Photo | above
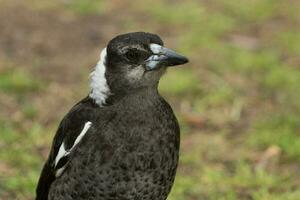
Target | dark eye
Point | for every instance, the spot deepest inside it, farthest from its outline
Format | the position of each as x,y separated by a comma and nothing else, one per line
132,55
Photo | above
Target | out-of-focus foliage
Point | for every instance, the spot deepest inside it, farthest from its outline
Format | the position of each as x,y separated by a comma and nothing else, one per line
237,100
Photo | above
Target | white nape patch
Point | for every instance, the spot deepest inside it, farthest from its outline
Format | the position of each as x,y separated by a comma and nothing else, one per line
63,152
100,90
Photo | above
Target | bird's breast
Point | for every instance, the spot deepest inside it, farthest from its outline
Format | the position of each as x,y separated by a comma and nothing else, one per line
132,156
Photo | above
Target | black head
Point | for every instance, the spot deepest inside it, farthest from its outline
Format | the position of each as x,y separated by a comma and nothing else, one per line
136,60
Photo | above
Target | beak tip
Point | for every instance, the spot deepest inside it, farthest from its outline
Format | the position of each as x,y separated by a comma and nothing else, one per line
163,56
182,60
185,60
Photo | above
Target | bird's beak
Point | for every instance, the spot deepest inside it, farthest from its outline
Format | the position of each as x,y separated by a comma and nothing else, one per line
163,57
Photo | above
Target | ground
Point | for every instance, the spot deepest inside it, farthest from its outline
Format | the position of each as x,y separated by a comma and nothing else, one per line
237,100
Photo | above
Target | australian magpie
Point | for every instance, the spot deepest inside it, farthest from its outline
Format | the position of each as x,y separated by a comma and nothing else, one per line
121,142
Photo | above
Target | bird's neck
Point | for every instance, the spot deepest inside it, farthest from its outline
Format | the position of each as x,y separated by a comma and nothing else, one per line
100,90
145,93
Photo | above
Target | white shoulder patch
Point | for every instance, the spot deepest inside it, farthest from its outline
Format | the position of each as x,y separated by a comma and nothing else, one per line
62,152
100,90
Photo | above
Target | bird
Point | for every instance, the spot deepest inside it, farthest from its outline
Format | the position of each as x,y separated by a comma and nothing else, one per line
120,142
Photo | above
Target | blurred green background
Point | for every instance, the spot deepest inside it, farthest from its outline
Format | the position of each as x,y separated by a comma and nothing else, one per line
238,100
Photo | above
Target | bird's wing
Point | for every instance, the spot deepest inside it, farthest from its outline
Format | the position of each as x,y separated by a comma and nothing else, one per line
60,157
70,132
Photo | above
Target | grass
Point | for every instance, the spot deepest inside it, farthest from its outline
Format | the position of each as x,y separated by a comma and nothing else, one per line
22,156
179,82
278,130
237,101
17,81
84,7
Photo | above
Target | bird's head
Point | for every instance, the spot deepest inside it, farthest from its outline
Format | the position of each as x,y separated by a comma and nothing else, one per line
136,60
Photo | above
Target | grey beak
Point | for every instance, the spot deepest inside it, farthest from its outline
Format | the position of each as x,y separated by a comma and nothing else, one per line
163,56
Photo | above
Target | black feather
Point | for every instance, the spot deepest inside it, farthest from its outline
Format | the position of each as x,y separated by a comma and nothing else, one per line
131,150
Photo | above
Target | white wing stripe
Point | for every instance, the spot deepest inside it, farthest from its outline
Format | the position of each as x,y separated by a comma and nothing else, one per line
83,132
63,152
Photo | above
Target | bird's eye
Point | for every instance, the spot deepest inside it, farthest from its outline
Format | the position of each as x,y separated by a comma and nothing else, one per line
132,55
